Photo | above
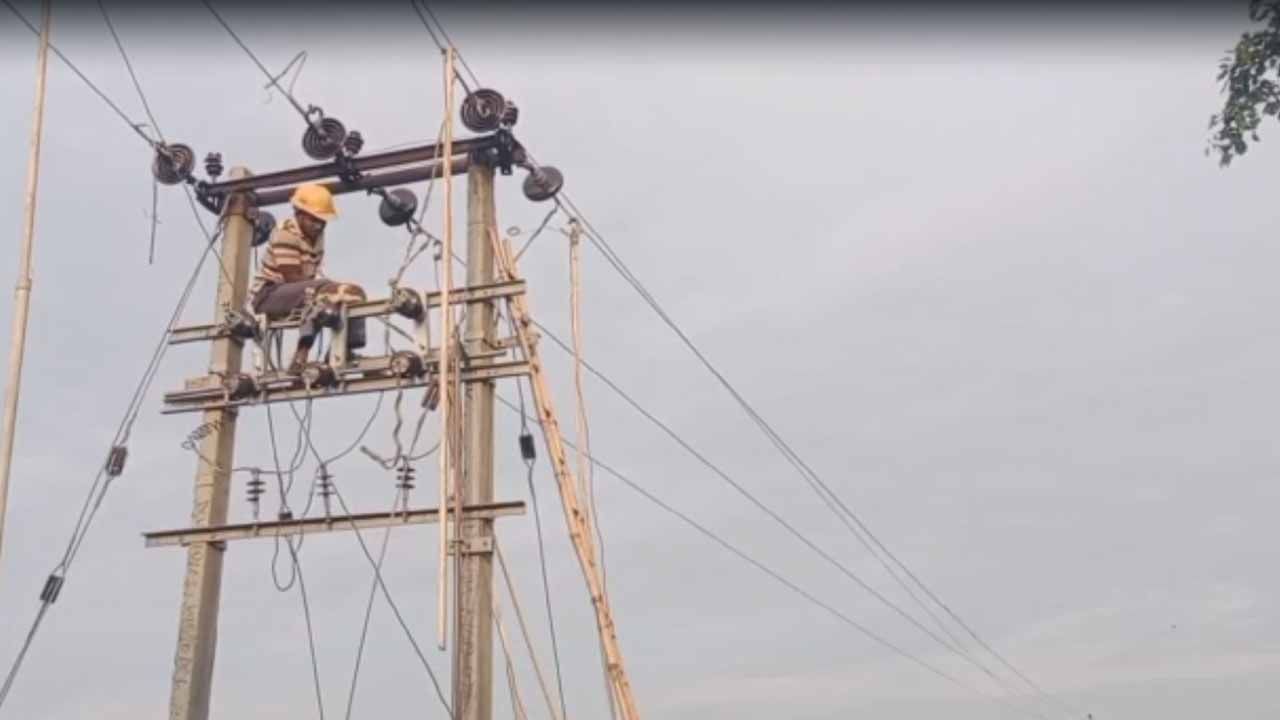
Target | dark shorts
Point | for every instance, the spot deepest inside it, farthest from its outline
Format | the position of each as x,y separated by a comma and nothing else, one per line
277,300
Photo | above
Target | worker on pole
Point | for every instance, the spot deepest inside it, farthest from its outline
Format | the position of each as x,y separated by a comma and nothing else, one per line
291,279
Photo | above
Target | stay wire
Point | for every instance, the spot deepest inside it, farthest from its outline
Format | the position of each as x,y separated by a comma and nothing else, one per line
723,475
442,46
102,480
267,73
132,74
616,261
824,492
134,126
456,51
537,232
711,535
542,565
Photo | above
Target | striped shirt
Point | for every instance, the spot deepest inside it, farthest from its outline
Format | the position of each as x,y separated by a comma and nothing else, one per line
290,257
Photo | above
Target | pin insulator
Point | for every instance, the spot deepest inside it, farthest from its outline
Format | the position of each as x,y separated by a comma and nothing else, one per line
240,386
528,450
407,303
240,324
353,143
115,460
319,375
406,476
52,587
256,488
406,364
510,114
213,165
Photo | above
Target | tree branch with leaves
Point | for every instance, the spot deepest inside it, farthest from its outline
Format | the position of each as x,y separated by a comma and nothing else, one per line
1250,78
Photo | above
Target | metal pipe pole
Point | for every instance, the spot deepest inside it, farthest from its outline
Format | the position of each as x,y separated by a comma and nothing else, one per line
202,587
475,635
22,292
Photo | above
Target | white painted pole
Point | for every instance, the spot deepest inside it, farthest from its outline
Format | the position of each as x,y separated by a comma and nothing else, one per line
22,292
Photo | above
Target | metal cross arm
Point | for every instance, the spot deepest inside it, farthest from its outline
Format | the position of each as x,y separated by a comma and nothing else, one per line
396,305
378,161
333,523
364,375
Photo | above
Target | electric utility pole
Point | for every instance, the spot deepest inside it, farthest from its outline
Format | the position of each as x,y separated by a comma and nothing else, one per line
198,620
474,671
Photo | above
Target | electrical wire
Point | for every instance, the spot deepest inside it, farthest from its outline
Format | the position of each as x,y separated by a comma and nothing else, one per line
134,126
102,481
542,556
132,74
829,497
538,232
442,45
723,475
386,593
272,80
743,555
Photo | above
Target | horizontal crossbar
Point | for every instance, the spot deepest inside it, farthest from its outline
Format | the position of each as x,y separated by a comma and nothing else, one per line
375,379
368,308
377,161
334,523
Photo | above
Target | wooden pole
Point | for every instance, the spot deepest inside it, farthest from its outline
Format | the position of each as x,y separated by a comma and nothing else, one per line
575,514
202,587
446,348
22,291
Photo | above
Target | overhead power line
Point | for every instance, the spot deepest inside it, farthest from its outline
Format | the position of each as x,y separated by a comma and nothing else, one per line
134,126
824,491
746,557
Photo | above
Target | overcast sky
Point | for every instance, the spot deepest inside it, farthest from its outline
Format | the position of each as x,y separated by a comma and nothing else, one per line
977,269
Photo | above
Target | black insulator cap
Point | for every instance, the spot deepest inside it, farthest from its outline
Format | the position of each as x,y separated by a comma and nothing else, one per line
264,223
407,303
543,183
213,165
353,143
527,449
397,207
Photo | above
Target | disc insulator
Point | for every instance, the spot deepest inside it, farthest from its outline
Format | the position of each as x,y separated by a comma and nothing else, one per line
543,183
324,143
405,364
263,225
397,207
406,302
482,110
318,375
173,163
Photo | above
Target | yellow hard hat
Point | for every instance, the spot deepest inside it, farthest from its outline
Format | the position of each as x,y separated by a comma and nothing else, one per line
315,200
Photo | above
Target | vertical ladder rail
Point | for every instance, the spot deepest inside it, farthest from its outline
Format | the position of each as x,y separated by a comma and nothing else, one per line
578,520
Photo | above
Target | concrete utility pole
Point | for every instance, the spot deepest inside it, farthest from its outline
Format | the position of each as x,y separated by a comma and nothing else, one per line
198,621
22,292
474,672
